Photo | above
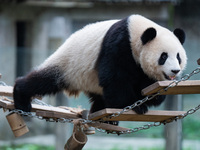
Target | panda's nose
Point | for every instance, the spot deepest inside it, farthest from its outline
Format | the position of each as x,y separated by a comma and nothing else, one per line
175,71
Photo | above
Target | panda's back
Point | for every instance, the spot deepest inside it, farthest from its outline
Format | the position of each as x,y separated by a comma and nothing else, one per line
77,57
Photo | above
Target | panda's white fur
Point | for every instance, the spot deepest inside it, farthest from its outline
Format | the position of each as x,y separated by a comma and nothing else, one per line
148,55
77,56
83,64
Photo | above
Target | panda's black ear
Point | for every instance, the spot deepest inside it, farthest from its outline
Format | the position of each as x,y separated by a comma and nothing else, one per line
180,34
148,35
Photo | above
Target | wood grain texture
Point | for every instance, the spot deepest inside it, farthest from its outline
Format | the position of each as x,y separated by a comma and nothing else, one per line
44,111
184,87
150,116
106,126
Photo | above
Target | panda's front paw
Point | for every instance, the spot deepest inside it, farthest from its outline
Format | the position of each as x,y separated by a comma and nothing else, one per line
23,106
141,109
21,99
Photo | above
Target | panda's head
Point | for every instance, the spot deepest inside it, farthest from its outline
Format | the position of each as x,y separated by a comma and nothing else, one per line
162,56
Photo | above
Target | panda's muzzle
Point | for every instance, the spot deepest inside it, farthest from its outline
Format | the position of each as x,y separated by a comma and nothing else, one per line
169,77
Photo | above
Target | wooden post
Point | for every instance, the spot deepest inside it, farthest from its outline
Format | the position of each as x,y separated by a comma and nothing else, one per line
17,124
87,130
173,131
77,140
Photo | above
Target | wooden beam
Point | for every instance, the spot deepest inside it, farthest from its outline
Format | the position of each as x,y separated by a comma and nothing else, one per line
6,91
150,116
184,87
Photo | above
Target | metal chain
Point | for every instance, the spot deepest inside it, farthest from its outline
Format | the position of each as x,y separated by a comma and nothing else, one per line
150,97
33,115
126,109
39,102
3,83
147,98
156,124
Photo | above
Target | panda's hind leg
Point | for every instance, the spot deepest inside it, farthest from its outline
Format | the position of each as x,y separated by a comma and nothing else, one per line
98,104
37,83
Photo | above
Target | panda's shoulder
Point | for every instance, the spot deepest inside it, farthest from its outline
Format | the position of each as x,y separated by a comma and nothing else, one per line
98,25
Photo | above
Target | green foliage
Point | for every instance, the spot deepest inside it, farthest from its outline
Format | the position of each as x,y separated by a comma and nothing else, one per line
191,126
125,148
27,147
151,148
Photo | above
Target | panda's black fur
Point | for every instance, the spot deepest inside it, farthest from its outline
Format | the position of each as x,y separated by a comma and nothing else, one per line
37,83
121,83
119,75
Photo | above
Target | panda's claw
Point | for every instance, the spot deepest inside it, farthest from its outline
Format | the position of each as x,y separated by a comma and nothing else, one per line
141,109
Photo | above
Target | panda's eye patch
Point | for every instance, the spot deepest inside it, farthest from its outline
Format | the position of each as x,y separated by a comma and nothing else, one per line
162,58
179,58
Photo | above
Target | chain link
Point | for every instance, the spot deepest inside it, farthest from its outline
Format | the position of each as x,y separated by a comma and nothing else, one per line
39,102
33,115
3,83
150,97
147,98
116,114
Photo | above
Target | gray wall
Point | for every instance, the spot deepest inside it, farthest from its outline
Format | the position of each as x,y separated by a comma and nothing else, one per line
49,28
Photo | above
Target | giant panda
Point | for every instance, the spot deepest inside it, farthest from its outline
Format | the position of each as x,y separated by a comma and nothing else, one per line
111,62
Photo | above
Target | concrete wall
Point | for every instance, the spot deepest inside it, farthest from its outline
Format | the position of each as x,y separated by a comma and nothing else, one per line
7,49
187,18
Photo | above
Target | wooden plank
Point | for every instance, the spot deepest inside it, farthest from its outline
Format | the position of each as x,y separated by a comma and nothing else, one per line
108,127
150,116
184,87
55,114
50,111
7,104
6,91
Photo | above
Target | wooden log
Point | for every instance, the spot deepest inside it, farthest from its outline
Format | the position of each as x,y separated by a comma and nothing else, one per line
150,116
6,91
17,124
184,87
77,140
